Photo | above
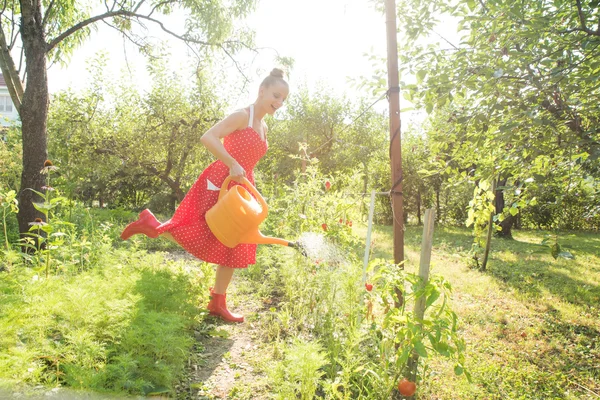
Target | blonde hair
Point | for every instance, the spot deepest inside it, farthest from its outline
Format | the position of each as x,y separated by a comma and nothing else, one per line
275,76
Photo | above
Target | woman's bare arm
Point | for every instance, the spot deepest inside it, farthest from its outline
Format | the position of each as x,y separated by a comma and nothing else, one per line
212,140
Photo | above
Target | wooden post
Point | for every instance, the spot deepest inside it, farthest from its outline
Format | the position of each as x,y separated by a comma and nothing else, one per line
395,143
426,245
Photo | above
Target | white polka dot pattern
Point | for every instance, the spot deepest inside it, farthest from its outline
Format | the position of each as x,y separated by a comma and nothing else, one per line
188,225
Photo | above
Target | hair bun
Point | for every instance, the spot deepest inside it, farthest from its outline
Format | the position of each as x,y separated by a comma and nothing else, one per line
277,73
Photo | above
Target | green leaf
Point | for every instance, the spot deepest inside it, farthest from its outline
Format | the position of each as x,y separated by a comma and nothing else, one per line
429,108
432,298
513,211
59,199
442,348
458,370
44,207
468,375
421,75
404,356
420,349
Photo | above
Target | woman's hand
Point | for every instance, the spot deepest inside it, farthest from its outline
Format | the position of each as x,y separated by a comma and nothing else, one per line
237,172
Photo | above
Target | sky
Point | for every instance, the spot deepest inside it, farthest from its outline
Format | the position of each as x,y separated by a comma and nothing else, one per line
327,39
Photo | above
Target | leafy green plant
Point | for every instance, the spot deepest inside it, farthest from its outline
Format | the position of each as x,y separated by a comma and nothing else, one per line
44,243
551,241
481,207
400,334
298,375
10,205
124,326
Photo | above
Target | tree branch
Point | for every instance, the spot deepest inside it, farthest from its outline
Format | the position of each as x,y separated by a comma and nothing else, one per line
82,25
483,6
237,65
138,44
119,13
162,3
582,21
14,33
11,76
21,62
47,13
138,5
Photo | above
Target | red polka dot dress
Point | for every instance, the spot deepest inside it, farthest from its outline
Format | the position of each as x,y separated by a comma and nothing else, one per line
188,225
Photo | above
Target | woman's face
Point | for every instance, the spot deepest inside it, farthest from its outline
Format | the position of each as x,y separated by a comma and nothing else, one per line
273,96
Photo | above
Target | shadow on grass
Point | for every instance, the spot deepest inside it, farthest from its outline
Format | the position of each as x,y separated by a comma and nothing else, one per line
193,358
532,277
523,263
152,351
529,267
576,344
578,243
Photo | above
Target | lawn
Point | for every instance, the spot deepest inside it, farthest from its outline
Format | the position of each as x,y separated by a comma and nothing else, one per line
134,323
531,322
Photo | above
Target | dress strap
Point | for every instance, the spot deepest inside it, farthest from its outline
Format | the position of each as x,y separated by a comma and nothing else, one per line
251,120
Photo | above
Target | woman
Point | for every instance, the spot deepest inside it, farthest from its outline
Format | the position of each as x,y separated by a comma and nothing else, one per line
239,142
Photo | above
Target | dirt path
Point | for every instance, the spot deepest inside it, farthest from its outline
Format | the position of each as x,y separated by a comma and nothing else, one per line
225,355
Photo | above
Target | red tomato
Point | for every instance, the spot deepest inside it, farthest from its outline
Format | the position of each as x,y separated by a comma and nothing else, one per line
327,185
406,387
369,286
324,226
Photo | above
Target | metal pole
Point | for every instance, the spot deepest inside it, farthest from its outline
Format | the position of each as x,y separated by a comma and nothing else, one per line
395,142
368,241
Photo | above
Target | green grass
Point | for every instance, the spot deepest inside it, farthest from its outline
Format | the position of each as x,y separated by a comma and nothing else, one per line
125,326
532,323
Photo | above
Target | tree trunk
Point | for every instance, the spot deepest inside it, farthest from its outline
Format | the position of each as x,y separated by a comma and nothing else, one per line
419,206
34,112
173,199
508,222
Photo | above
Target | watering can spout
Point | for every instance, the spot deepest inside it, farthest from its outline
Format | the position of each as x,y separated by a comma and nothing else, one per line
257,237
298,247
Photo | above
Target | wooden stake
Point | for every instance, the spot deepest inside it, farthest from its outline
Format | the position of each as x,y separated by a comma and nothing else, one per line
395,142
426,245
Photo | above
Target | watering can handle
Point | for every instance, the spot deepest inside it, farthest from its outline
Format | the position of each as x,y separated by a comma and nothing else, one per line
249,185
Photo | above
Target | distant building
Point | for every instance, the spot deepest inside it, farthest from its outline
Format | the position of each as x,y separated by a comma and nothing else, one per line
8,112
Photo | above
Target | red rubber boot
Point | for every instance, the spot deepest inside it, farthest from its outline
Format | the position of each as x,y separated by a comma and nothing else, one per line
146,224
218,307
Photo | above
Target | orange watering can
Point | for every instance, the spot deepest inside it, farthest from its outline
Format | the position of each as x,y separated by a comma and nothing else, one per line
236,216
